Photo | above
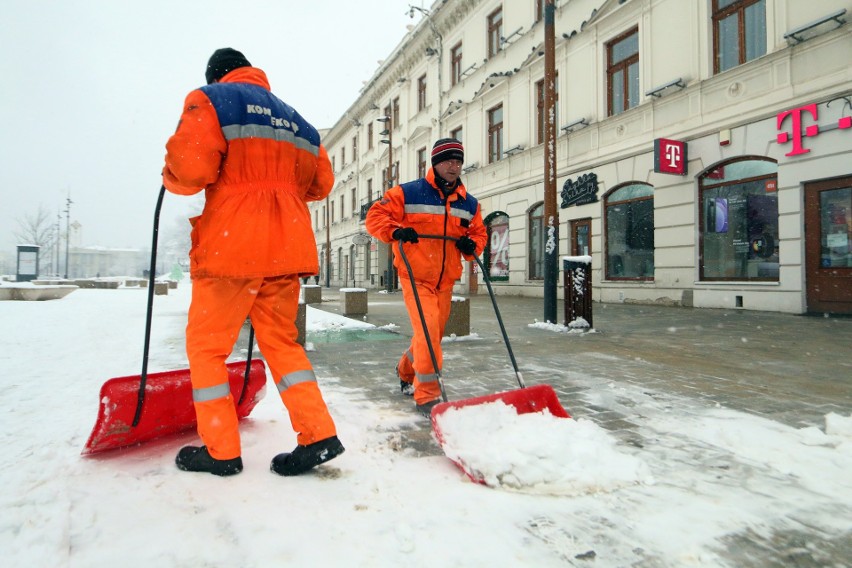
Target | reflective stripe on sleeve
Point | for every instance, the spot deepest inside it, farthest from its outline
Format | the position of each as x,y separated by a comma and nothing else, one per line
295,378
211,393
236,131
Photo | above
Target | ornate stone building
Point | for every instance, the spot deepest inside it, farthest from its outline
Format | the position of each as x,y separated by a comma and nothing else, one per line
703,151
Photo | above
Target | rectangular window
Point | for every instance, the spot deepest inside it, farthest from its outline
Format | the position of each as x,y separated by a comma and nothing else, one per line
495,32
623,72
354,201
333,164
354,147
456,64
421,93
395,117
389,114
421,162
342,156
342,214
540,116
739,32
457,133
369,190
369,136
536,243
495,134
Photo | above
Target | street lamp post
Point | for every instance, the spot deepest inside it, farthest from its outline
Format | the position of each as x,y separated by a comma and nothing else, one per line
68,203
386,120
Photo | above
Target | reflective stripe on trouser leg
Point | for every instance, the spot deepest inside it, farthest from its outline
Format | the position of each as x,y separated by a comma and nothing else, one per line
308,413
216,314
405,367
424,390
274,317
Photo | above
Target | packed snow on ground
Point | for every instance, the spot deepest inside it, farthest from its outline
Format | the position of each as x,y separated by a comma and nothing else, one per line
573,494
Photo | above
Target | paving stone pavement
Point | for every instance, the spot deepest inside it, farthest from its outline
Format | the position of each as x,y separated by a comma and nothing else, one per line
637,359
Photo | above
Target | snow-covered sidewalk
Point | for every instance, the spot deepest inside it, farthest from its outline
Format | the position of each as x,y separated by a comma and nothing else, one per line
705,479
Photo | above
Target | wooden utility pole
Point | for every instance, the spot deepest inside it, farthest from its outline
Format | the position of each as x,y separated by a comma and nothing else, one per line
551,213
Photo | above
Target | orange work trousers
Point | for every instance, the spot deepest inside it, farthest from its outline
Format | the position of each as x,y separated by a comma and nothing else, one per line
218,310
416,365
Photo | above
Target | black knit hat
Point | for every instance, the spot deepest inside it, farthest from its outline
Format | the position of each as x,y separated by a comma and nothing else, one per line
223,61
447,149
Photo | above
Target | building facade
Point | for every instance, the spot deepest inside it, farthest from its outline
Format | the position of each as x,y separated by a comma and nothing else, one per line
703,151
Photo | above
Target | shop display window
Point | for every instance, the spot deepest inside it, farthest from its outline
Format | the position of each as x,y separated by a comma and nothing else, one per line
836,228
739,221
630,232
497,248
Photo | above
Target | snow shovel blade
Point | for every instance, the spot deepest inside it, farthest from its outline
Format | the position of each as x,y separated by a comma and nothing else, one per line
168,407
526,400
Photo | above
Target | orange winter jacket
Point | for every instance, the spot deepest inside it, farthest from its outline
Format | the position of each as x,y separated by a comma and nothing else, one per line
259,163
421,205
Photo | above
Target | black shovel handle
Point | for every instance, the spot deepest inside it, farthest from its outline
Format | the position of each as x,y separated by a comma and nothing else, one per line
143,380
493,302
423,322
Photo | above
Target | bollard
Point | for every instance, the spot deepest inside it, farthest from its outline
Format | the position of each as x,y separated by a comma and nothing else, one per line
312,294
458,323
578,291
353,301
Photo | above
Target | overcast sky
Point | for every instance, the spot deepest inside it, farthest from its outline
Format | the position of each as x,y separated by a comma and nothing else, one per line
92,89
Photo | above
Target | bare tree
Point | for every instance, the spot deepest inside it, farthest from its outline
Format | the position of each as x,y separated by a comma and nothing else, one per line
38,229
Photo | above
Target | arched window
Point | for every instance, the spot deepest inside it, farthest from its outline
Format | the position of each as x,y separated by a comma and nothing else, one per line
738,225
496,254
629,231
537,240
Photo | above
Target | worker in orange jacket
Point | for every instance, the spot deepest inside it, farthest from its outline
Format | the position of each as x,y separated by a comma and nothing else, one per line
437,204
259,163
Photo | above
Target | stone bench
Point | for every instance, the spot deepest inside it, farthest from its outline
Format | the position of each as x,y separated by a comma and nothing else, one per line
458,323
161,288
353,301
35,293
312,294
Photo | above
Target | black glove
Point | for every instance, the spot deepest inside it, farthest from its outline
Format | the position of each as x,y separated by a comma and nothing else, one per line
406,235
466,245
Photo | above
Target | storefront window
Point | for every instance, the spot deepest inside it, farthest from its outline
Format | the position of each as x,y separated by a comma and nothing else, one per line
536,242
497,248
739,221
630,232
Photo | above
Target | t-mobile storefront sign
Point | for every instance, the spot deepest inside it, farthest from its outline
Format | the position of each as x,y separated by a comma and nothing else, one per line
670,156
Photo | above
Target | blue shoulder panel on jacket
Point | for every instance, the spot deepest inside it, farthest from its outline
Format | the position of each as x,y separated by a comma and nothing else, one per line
243,104
419,192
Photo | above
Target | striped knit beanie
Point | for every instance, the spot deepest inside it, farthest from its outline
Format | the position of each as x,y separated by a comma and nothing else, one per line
447,149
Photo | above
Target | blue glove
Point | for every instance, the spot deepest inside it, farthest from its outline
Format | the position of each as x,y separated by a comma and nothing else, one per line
466,246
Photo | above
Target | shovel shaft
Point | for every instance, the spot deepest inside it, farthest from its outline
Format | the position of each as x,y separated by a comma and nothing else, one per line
493,302
423,322
143,379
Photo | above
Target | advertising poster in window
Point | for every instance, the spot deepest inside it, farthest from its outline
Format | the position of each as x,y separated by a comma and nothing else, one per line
499,245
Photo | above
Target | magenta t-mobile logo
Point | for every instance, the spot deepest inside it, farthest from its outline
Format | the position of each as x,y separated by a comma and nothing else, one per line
797,117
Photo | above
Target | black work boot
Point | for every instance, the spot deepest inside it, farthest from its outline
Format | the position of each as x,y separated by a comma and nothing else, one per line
426,408
405,387
195,458
307,457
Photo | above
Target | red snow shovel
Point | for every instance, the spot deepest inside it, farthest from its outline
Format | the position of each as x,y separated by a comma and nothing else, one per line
138,409
525,400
